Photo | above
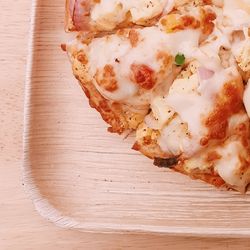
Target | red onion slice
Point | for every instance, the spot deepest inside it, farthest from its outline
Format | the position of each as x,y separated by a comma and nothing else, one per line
80,13
204,73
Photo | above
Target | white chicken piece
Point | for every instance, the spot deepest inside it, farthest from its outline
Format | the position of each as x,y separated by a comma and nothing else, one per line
173,137
230,165
237,13
244,57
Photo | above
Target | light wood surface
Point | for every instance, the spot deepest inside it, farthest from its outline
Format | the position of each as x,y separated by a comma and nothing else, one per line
20,226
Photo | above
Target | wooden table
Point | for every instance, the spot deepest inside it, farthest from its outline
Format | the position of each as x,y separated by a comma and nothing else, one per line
20,226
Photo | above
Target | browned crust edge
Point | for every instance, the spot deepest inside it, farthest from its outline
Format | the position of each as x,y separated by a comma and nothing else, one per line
210,178
69,25
111,113
117,115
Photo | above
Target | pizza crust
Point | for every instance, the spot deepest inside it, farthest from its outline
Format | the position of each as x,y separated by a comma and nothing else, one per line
115,114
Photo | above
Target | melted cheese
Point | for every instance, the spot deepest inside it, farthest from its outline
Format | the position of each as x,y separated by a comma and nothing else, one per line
178,106
112,48
230,166
237,13
107,14
192,100
116,47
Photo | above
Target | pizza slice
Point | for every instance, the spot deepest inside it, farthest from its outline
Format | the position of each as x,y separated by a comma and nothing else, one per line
200,127
174,71
107,15
122,72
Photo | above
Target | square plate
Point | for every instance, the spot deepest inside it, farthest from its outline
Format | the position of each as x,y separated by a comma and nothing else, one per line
80,176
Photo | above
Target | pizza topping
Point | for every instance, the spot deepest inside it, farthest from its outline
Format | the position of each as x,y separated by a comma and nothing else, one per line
204,73
161,113
107,78
80,11
237,13
140,68
133,37
207,21
179,59
106,15
231,165
243,57
175,22
165,163
213,156
146,9
194,118
143,76
174,137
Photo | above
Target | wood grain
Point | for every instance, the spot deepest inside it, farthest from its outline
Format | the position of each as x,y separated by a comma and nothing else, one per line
20,226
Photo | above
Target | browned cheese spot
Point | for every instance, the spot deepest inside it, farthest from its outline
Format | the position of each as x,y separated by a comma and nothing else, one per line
228,103
106,78
207,18
143,75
